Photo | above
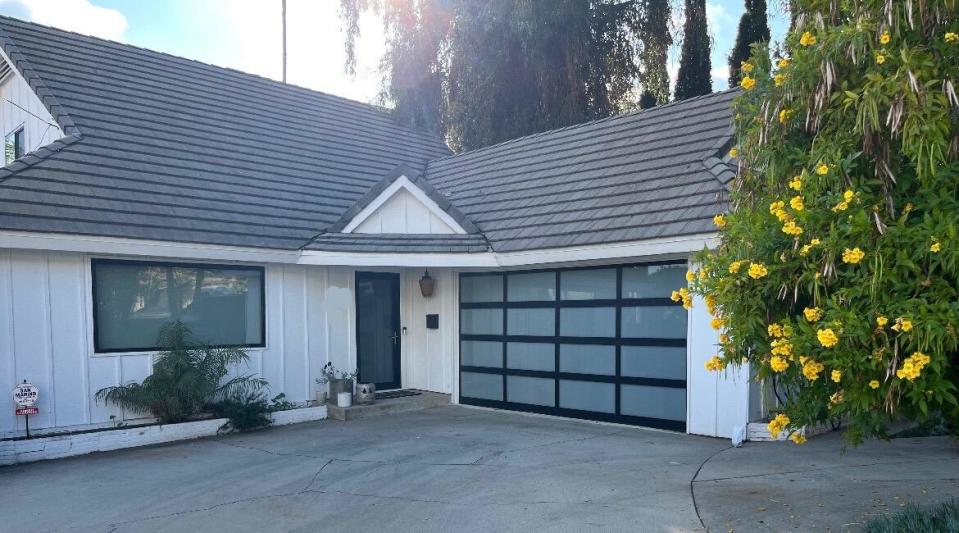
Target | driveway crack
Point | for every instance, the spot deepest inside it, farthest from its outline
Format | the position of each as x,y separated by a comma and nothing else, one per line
692,492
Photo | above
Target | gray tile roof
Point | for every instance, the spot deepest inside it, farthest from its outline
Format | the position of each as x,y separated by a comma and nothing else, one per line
397,243
164,148
642,175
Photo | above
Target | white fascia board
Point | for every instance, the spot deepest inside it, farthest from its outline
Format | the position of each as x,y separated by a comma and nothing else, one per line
403,182
666,246
136,247
663,247
477,260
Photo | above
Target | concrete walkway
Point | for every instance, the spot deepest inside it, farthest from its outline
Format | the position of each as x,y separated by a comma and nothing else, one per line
814,487
460,469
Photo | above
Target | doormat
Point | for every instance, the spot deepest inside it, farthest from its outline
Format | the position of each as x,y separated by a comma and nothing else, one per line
396,394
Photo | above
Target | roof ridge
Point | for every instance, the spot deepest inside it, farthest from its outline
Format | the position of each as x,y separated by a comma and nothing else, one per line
627,114
286,86
719,163
23,67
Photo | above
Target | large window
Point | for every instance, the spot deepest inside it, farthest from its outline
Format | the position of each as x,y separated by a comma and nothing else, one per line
603,343
133,300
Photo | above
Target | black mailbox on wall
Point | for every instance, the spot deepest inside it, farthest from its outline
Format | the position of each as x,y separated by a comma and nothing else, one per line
432,321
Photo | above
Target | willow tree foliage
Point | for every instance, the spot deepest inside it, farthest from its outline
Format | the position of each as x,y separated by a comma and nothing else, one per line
837,275
753,28
694,78
484,72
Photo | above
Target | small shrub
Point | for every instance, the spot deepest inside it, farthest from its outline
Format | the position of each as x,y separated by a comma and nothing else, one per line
943,518
280,403
245,413
187,377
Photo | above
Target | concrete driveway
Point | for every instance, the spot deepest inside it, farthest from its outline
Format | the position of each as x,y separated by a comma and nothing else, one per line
461,469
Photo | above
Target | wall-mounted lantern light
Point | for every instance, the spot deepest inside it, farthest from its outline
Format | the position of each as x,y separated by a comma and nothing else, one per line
427,284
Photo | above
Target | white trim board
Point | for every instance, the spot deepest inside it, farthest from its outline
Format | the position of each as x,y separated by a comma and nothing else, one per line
136,247
403,183
666,246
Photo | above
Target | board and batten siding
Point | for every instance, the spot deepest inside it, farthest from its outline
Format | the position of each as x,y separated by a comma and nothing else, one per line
717,402
403,213
19,106
46,330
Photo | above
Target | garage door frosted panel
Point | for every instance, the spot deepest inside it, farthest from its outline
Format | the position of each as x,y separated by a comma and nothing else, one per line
587,359
531,356
534,391
482,353
587,322
659,322
537,322
483,386
589,284
535,287
653,281
587,396
481,288
482,321
661,362
653,402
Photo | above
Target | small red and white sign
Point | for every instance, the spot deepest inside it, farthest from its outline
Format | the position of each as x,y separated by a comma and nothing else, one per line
24,411
26,395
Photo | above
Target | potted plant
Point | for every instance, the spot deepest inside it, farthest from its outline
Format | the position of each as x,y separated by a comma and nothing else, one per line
338,380
319,396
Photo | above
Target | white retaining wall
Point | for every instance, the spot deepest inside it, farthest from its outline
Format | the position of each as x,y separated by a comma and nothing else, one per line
59,446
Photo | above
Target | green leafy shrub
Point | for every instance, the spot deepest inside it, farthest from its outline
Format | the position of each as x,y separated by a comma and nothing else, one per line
837,274
187,377
943,518
245,413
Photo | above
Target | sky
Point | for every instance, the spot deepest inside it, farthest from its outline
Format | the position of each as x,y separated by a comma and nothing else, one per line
247,35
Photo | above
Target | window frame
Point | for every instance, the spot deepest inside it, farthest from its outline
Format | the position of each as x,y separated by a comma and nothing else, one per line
18,145
97,350
619,303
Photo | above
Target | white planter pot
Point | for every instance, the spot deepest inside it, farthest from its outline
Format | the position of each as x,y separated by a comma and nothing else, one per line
344,399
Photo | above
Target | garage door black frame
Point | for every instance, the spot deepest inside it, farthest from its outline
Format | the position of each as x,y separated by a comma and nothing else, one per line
618,303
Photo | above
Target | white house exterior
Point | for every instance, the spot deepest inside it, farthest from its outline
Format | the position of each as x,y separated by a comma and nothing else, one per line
150,188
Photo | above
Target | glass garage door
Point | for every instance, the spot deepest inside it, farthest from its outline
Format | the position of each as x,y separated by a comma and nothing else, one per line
602,343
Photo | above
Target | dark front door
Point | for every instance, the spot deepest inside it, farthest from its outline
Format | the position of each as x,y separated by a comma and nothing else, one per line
378,328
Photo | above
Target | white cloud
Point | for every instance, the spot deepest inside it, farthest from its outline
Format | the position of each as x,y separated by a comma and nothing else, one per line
720,75
74,15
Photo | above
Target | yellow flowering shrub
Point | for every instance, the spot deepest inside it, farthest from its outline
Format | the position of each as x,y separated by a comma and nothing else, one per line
715,364
757,270
778,424
827,338
812,314
778,363
840,226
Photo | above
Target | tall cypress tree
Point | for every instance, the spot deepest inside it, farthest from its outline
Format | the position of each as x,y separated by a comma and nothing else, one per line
694,64
656,40
753,28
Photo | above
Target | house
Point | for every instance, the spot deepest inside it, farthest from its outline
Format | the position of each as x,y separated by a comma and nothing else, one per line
140,188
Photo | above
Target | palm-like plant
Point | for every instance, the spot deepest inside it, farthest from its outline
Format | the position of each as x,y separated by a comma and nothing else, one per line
187,376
